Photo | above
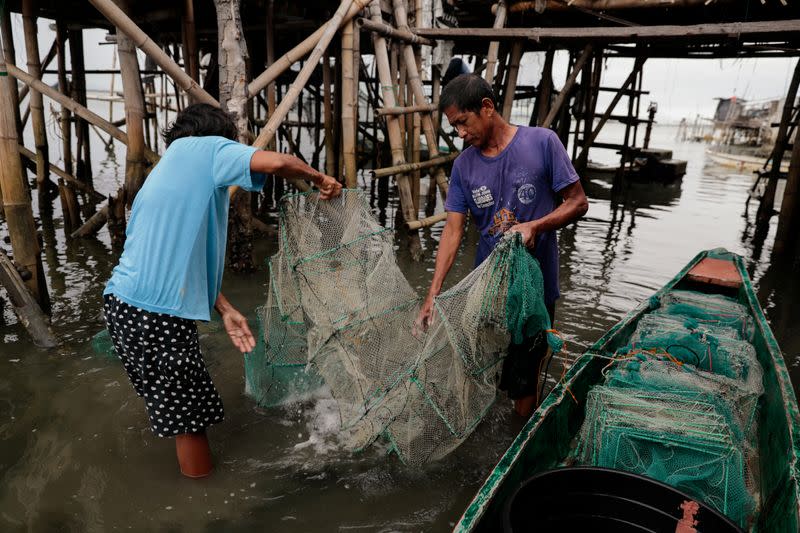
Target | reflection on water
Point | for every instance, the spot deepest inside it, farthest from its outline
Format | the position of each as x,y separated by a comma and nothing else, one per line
77,453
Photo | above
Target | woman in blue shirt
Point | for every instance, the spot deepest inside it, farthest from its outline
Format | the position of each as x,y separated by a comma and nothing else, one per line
170,273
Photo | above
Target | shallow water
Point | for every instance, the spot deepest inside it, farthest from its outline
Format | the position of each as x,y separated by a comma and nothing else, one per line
77,453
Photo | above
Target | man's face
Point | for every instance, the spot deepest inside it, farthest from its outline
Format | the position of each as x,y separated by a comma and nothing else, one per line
471,126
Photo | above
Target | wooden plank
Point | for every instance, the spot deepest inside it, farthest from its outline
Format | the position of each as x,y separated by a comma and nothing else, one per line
716,272
617,34
25,307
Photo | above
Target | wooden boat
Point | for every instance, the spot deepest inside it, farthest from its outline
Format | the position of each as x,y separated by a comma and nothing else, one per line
741,162
547,440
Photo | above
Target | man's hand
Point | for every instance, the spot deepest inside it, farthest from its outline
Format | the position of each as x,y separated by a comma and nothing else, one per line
329,188
238,330
425,316
528,231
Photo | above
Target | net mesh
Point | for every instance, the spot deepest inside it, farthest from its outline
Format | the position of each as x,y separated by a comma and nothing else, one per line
679,403
340,311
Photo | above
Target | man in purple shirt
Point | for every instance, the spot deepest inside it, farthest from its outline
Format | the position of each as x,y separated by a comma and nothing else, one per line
509,178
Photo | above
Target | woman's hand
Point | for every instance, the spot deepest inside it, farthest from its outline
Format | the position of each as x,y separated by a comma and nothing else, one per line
236,325
329,188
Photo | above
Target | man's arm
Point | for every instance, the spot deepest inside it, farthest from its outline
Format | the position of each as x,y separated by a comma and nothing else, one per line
445,255
289,166
571,209
235,324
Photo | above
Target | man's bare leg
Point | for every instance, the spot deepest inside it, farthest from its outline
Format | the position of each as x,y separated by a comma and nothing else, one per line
194,455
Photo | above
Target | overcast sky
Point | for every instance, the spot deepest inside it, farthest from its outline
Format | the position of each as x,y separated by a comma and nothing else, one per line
681,87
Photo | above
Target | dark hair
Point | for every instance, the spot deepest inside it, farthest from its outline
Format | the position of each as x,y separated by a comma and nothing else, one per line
466,92
200,120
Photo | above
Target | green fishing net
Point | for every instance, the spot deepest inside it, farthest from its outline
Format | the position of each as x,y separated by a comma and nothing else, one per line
340,312
679,403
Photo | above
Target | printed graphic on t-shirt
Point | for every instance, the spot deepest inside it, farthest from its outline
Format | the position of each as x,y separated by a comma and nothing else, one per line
502,222
526,194
483,196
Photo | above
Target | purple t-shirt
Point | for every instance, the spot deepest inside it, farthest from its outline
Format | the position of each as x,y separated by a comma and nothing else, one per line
517,185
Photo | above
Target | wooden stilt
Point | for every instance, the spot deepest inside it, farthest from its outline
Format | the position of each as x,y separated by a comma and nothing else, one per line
43,184
348,105
788,231
10,58
393,127
766,206
330,158
134,116
83,162
564,93
545,90
16,202
513,71
190,59
494,46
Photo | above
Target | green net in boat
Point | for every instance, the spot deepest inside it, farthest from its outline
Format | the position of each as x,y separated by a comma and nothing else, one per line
679,403
340,311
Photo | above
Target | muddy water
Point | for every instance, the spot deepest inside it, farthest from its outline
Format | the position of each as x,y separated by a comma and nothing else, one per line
76,452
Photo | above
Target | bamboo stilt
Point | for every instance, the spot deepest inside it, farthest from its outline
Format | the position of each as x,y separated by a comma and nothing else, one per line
545,90
190,58
330,158
16,202
589,140
143,42
419,94
511,86
63,174
302,77
288,59
409,167
29,313
76,108
766,207
348,96
83,161
134,116
9,53
393,127
494,46
43,183
564,92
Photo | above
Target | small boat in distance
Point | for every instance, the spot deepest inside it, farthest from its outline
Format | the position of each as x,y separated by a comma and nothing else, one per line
687,395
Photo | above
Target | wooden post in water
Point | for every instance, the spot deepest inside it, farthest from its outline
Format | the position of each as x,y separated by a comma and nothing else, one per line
16,202
83,161
788,232
545,90
43,183
9,52
494,46
419,94
69,200
190,59
393,128
347,98
330,158
513,71
766,207
134,117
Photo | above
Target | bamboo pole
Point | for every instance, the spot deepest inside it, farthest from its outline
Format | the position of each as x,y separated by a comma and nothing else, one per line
36,103
190,58
787,233
10,58
419,95
584,155
409,167
391,32
302,77
291,57
134,115
348,106
27,310
143,42
271,101
83,161
330,159
48,58
383,111
16,202
545,90
76,108
511,86
63,174
356,96
766,207
494,46
427,221
563,94
393,126
66,115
